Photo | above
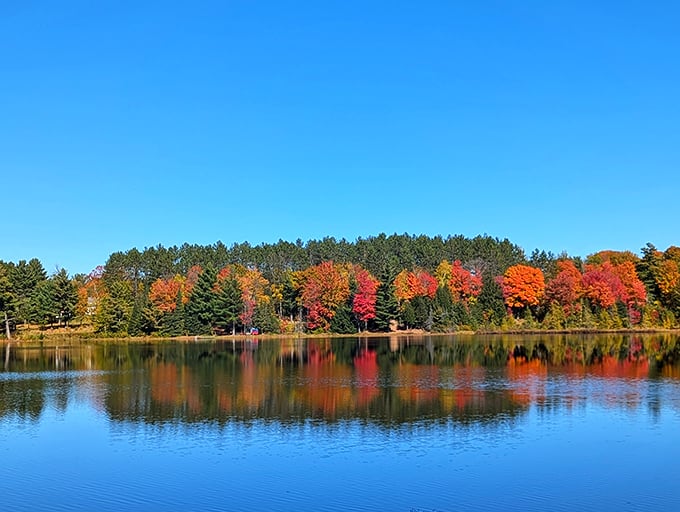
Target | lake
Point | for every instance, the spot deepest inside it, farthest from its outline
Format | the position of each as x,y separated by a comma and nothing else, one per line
414,424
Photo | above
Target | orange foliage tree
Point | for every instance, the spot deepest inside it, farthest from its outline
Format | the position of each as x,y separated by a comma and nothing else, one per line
418,283
323,287
163,293
522,286
253,292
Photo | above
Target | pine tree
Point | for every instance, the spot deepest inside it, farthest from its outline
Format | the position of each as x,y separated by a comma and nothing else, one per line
227,305
265,318
114,309
386,308
25,277
199,312
65,296
140,321
341,323
489,309
43,307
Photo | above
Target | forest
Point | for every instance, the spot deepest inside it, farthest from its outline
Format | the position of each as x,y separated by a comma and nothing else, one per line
376,284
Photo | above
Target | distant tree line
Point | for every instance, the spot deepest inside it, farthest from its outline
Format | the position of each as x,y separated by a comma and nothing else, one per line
378,283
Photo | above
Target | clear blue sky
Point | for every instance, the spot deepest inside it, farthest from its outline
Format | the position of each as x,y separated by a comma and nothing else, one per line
555,124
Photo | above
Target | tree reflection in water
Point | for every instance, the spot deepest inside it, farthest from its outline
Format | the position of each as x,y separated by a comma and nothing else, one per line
385,381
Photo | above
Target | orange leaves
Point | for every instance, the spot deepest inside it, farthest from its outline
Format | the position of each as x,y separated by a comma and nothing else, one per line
253,292
522,286
605,284
634,290
667,276
324,287
419,283
163,293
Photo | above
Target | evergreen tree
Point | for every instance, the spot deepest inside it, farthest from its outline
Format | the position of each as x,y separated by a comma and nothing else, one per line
140,322
43,306
199,311
7,300
341,323
443,310
489,308
386,307
114,309
422,312
65,296
227,305
265,318
25,278
172,323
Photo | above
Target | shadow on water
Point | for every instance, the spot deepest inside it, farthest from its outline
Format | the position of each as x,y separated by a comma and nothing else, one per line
382,381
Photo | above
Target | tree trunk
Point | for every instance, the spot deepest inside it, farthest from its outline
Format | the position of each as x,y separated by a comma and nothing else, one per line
9,335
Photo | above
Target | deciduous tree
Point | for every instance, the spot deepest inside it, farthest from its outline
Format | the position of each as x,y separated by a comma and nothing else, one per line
324,288
363,305
522,286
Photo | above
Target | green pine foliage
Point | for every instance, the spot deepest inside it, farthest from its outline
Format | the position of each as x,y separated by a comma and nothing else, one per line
226,306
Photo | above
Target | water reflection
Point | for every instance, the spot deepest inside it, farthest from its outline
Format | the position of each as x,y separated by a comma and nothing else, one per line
384,381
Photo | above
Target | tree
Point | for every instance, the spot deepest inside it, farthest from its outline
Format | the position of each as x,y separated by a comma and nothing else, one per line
65,296
163,293
199,310
463,284
566,288
602,286
25,278
113,310
523,286
172,323
43,307
417,283
7,299
227,301
324,287
253,292
386,306
363,304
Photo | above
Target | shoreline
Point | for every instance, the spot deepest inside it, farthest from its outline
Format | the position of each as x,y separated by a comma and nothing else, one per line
84,338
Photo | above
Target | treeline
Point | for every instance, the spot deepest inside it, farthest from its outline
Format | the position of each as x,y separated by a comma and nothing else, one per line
380,283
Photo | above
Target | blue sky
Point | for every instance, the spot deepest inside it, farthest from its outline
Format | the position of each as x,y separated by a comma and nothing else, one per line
128,124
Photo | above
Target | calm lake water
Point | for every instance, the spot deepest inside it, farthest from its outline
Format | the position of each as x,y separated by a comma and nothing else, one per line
409,424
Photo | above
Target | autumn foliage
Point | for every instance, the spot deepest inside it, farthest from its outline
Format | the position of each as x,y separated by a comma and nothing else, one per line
463,284
323,288
163,293
363,305
522,286
566,288
418,283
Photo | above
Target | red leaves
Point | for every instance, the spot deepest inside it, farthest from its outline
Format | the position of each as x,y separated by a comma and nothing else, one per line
419,283
363,305
463,284
566,288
